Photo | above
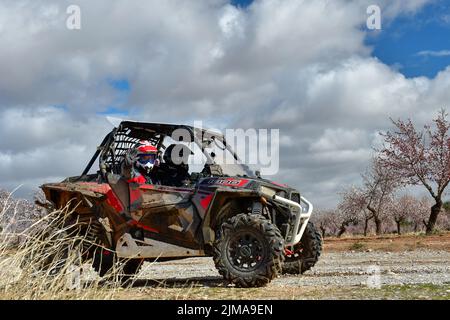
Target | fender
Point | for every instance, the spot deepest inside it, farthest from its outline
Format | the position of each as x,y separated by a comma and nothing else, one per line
218,208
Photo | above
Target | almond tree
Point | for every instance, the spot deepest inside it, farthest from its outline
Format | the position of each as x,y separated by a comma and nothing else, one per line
350,209
403,209
343,221
420,158
354,203
379,186
421,213
325,221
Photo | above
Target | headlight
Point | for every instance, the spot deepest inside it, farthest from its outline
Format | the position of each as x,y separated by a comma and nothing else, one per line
267,192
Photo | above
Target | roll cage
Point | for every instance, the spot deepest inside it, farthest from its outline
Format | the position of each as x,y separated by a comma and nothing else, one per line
115,145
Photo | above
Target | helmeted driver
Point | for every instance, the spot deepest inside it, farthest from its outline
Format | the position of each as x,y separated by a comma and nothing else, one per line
141,160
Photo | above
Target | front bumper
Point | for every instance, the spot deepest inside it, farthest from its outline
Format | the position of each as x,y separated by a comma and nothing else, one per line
302,213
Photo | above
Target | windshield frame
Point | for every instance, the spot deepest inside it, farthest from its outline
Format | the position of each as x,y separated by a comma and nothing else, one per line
204,138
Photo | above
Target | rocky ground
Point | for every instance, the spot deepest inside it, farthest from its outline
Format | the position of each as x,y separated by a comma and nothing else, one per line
407,267
385,267
413,274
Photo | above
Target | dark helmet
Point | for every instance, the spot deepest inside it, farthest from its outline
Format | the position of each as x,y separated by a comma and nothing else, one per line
177,154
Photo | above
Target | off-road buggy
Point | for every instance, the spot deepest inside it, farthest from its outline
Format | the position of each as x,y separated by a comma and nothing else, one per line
253,228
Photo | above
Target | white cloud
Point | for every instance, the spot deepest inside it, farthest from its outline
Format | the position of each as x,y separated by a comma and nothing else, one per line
431,53
339,139
301,66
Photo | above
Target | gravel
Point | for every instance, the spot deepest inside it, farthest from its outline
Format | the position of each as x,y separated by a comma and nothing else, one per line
334,268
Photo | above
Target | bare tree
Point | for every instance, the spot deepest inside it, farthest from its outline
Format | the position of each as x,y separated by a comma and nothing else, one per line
349,209
379,185
420,215
325,221
420,158
16,215
354,203
343,221
403,209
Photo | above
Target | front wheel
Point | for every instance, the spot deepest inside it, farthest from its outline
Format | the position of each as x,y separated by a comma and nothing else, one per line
248,251
305,254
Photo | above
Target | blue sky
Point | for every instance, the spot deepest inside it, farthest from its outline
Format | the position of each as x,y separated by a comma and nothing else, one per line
241,3
400,41
123,87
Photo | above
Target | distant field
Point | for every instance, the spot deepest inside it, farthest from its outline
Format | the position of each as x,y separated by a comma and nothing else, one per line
389,242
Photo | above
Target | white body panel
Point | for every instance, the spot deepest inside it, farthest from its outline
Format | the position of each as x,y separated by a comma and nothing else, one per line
127,247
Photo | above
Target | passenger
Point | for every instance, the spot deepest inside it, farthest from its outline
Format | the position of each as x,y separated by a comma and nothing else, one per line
174,171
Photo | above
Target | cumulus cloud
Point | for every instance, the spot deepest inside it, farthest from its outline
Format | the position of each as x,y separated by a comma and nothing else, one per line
300,66
45,144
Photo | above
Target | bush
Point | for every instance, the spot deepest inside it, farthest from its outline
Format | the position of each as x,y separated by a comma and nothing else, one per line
357,246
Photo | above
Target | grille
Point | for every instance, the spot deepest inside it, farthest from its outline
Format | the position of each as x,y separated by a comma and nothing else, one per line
281,194
295,197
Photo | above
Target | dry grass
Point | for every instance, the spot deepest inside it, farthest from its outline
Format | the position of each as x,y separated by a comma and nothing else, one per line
46,263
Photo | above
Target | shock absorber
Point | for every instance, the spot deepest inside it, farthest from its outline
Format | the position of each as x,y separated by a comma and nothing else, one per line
92,235
257,208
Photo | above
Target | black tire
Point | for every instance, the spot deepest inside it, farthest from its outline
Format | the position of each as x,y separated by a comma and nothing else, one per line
249,250
306,252
104,261
130,268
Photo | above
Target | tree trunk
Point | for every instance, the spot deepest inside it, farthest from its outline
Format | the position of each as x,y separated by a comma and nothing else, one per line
398,227
323,232
341,230
435,210
377,220
366,226
377,226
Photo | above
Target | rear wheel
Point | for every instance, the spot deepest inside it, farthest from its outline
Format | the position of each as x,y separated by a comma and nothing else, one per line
130,268
248,251
305,254
105,261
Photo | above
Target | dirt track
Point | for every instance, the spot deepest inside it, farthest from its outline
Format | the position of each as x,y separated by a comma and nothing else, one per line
422,272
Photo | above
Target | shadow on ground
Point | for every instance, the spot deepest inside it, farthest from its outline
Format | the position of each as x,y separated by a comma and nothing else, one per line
181,282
